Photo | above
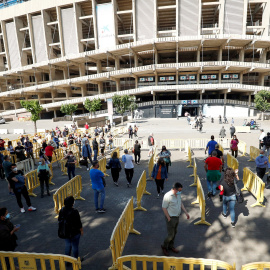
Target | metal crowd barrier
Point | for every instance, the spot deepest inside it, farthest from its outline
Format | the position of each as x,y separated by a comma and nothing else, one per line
72,188
140,190
26,165
232,162
102,165
256,266
150,167
254,184
58,154
116,150
254,152
194,173
122,229
201,201
63,166
37,261
171,263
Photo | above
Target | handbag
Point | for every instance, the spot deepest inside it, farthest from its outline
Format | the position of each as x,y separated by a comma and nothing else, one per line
239,195
103,181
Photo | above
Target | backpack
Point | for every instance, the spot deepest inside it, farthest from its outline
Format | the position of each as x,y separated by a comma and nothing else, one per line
267,141
64,229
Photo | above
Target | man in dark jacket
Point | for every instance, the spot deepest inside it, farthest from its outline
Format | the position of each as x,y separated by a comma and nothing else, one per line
87,153
232,130
266,143
95,148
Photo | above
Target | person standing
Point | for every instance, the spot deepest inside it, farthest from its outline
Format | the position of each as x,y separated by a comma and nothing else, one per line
234,146
116,167
110,142
95,148
261,164
86,126
29,149
222,133
213,168
229,196
129,166
172,205
43,172
262,135
71,219
137,152
7,170
49,152
130,132
232,121
17,182
219,153
87,154
19,150
266,143
220,119
10,148
56,141
151,143
102,145
135,131
166,155
159,173
232,130
96,177
71,162
211,145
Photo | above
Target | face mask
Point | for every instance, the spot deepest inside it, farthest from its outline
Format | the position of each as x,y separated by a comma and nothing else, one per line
261,155
7,216
15,170
39,162
178,192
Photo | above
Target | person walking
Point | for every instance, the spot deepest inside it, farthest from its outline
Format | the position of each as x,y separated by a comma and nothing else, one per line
232,130
172,205
110,142
96,177
262,135
135,131
44,174
71,162
220,119
8,238
151,143
222,133
211,145
7,170
115,166
166,155
87,154
137,152
102,145
219,154
159,173
229,196
213,168
234,146
261,164
130,132
232,121
266,143
17,182
129,166
95,148
49,151
29,149
70,227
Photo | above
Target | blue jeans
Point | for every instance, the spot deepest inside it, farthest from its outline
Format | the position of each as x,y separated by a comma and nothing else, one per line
95,154
71,170
231,200
211,186
102,197
72,243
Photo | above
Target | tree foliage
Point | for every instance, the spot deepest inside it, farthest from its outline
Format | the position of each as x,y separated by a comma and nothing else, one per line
68,109
124,103
33,107
133,106
92,105
261,101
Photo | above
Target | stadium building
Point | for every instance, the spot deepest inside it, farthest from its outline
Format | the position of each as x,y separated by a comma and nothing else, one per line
173,55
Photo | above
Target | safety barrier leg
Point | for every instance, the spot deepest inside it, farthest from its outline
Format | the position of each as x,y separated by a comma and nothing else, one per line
190,164
202,222
195,183
139,207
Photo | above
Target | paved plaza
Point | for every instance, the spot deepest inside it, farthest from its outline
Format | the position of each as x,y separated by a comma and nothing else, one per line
247,242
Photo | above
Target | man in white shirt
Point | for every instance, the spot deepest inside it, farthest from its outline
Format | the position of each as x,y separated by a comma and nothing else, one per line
129,166
172,206
261,139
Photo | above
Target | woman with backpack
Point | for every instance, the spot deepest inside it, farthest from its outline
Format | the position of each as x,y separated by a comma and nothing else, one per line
234,146
166,155
115,166
70,227
44,174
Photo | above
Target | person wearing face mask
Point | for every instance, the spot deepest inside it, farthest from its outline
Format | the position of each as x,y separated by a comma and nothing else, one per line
8,238
87,153
17,182
71,161
43,171
261,164
172,205
159,173
29,149
19,150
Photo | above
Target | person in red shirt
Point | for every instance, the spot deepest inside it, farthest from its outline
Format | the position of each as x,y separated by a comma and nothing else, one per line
86,126
49,152
2,144
213,168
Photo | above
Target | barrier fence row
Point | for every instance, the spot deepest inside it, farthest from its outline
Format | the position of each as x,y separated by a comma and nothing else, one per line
32,180
141,190
232,162
122,229
72,188
254,184
36,261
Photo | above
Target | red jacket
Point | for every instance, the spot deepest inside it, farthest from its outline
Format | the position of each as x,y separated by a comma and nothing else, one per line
49,151
86,126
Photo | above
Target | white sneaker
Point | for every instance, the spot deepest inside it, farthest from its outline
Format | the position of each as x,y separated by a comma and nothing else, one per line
31,208
22,210
87,169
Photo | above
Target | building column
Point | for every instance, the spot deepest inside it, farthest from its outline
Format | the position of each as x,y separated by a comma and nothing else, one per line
242,55
100,88
117,64
220,54
65,73
68,93
249,104
84,90
177,95
201,97
136,60
118,86
225,101
82,69
261,79
99,67
198,55
154,98
54,113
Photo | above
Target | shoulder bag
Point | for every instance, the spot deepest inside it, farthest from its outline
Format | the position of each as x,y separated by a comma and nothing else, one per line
238,194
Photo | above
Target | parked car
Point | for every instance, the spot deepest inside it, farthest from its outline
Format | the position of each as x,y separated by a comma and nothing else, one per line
2,120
